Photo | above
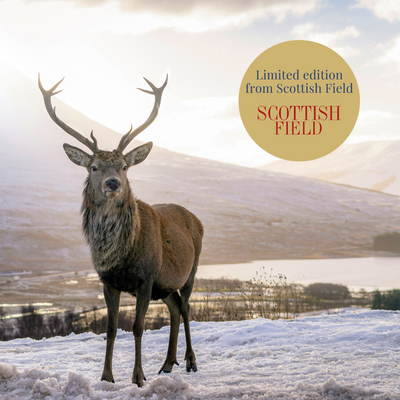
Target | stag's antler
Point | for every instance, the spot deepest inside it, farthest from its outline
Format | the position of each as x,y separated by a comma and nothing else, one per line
129,136
52,112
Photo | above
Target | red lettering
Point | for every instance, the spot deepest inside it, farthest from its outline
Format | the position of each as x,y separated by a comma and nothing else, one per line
304,129
336,112
280,113
269,113
295,126
262,112
320,127
278,126
323,112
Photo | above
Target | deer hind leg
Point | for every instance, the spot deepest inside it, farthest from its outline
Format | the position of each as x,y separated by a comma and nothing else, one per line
112,300
186,291
173,301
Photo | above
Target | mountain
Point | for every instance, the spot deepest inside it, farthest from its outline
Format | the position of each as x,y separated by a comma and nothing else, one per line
248,214
370,165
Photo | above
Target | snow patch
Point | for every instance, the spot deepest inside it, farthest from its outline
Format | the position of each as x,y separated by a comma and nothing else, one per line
46,387
7,372
349,356
77,385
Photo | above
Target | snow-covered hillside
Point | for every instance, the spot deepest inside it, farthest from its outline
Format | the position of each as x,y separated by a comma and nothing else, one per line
369,165
354,355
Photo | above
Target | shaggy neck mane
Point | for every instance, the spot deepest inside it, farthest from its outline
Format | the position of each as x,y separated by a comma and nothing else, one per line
110,227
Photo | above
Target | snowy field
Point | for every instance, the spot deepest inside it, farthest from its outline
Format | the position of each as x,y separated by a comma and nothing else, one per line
354,355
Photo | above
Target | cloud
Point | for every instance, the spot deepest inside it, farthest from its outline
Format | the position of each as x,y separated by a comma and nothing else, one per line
201,15
184,6
383,9
375,125
309,31
367,117
390,57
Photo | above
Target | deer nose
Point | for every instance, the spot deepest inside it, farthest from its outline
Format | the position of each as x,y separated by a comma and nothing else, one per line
113,184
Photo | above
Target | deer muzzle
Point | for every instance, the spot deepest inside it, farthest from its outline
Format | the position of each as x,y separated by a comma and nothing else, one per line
112,187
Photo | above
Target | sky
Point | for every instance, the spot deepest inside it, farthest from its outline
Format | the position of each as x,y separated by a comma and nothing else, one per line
104,48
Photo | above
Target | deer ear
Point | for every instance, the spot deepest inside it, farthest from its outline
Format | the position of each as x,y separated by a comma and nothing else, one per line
77,156
136,156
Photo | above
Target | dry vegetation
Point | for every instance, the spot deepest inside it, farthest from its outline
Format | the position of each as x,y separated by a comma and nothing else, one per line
388,241
268,296
265,296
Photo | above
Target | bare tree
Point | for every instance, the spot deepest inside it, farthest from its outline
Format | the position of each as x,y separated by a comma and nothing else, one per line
31,323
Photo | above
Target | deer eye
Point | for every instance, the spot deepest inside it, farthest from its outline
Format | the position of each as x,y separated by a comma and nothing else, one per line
94,168
125,168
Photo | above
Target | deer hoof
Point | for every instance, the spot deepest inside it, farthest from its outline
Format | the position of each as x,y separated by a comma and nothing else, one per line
138,378
107,377
167,366
191,362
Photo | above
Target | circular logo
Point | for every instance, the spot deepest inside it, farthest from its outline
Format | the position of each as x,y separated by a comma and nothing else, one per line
299,100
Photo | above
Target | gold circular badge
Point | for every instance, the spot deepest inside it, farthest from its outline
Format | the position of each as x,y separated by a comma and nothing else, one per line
299,100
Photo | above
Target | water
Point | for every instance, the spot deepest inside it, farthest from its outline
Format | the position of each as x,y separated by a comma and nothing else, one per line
370,273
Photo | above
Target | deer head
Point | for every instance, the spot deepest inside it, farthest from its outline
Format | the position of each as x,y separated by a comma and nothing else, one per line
107,169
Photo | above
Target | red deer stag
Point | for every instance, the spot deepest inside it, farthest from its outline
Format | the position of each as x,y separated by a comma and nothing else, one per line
151,252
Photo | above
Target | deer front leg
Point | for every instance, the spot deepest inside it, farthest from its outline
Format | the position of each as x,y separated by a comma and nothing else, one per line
112,300
142,303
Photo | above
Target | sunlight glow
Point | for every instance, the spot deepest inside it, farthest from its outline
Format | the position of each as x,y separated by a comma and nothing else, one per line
104,50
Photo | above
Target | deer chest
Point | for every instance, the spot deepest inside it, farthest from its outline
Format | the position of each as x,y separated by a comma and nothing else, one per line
122,279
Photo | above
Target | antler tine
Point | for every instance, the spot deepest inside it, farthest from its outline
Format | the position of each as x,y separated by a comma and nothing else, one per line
126,134
94,140
157,92
47,94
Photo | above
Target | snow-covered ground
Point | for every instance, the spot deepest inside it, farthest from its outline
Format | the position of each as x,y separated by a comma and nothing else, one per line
345,356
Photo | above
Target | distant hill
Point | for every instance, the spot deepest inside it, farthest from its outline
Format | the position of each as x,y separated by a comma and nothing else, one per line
369,165
247,213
